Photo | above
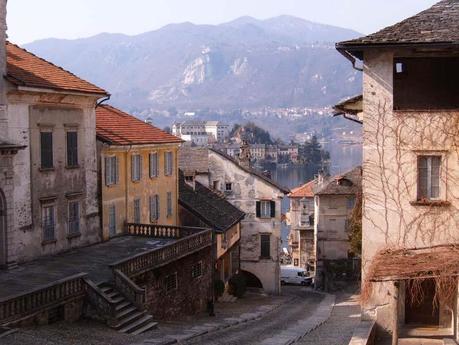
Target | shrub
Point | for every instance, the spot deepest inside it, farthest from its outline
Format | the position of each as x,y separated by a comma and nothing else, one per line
219,287
237,285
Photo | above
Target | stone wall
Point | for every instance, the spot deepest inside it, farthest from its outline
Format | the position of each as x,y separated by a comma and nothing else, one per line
393,140
191,295
247,189
27,114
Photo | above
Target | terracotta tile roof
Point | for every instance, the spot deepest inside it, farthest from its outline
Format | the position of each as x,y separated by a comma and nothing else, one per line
211,208
349,183
119,128
438,24
27,69
304,191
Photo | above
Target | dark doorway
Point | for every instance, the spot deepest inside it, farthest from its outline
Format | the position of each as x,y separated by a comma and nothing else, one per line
423,311
252,280
2,229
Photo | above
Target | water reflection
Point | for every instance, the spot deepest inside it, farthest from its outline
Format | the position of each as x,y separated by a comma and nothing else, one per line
342,158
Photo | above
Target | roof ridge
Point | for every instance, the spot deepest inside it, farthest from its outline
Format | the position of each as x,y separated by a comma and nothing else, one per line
54,65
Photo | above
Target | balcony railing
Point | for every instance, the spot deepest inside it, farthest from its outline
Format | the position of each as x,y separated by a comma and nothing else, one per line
160,231
158,257
13,308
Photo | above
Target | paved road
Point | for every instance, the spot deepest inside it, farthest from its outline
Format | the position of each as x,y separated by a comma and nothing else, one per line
255,332
339,327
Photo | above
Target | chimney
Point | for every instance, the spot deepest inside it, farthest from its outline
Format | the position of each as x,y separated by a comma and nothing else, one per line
244,156
320,178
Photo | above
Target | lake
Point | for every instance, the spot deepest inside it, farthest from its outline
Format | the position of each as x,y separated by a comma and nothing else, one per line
342,158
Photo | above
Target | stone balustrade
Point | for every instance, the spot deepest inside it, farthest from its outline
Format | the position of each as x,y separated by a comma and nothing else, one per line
14,308
160,231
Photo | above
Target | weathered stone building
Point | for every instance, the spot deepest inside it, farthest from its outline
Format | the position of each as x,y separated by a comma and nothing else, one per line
410,172
202,207
334,202
138,172
51,113
260,199
301,218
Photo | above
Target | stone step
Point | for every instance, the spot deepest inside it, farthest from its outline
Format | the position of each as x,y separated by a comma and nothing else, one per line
118,299
148,326
129,319
4,331
125,312
132,327
123,305
113,294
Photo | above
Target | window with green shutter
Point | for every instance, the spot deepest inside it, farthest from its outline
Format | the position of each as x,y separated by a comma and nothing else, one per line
46,150
72,148
111,170
154,171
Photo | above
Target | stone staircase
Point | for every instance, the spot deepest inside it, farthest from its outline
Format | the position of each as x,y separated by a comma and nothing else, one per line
129,319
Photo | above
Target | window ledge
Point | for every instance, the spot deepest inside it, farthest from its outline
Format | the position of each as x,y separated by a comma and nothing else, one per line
135,181
72,167
46,169
44,243
434,203
72,236
265,258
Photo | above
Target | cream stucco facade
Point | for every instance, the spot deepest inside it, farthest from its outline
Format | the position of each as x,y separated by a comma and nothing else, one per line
246,190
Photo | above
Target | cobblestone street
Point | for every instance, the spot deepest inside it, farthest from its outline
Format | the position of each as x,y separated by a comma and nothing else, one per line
274,321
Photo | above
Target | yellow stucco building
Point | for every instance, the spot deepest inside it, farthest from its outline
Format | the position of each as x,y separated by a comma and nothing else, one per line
138,172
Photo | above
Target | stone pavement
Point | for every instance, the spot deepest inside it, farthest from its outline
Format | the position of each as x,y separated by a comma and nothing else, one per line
93,260
88,332
338,329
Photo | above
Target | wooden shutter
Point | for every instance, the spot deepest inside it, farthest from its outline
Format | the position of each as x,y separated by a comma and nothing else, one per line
133,168
116,170
153,164
72,149
140,167
258,214
107,170
157,206
46,148
273,209
265,246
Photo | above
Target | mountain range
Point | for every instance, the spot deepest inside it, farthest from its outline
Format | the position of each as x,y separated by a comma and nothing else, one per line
247,63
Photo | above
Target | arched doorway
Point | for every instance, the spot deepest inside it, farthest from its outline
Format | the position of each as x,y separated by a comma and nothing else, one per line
252,280
2,229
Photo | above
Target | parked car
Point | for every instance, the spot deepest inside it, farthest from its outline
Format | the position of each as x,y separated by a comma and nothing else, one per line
295,275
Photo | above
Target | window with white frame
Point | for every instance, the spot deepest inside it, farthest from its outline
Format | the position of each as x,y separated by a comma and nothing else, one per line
154,171
136,167
168,164
48,222
74,217
265,209
429,177
111,170
228,186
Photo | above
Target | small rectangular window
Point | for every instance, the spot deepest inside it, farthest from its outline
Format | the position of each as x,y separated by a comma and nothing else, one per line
350,203
228,187
265,246
72,149
111,170
168,164
169,204
48,223
112,220
136,167
74,217
170,282
137,211
196,270
215,185
154,208
429,177
265,209
154,171
46,150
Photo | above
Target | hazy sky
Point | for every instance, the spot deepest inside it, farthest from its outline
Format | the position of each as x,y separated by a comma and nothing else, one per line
29,20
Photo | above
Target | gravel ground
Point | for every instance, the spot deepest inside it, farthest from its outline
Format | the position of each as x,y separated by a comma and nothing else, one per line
303,303
340,326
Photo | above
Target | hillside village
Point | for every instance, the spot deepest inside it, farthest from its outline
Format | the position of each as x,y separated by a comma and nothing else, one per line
114,231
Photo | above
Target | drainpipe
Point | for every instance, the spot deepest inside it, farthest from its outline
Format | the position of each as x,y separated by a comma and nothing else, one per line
352,59
102,101
214,261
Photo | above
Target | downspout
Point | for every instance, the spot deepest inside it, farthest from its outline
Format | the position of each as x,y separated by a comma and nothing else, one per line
126,173
352,59
348,118
103,100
